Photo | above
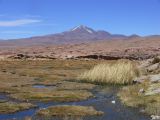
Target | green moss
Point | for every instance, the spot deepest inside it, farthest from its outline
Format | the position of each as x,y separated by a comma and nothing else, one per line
57,96
69,111
11,107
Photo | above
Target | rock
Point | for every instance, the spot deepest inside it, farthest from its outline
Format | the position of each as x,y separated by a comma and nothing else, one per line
154,78
20,56
156,59
142,111
155,117
153,67
140,79
69,57
113,101
145,63
141,90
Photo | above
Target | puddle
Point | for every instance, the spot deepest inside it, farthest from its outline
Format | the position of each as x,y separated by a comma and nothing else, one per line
3,97
39,86
102,102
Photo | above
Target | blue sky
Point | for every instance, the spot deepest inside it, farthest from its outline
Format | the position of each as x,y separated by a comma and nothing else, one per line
25,18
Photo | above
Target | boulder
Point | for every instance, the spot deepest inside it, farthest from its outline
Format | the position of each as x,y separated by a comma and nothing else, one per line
154,78
153,67
155,117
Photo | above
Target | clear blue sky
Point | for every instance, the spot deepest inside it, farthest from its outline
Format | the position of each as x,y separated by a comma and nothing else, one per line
24,18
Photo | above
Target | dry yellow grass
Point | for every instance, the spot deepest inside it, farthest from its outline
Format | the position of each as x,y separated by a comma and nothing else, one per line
119,72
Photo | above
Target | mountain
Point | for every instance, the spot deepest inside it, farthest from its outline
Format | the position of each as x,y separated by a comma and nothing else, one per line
79,34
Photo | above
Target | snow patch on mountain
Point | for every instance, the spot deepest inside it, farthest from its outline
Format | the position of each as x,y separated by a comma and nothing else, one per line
82,27
89,31
75,28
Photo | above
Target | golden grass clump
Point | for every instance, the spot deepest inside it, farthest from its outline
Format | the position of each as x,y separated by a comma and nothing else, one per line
119,72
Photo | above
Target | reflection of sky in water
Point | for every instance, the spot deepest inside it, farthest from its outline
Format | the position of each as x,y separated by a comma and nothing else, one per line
102,102
39,86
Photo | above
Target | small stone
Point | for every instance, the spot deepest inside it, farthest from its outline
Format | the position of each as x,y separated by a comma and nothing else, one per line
154,78
141,90
155,117
142,111
113,101
140,79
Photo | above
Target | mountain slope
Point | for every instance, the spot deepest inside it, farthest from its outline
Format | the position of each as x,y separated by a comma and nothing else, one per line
78,34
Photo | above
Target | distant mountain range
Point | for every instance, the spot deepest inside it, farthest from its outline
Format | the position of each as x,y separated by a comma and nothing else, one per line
79,34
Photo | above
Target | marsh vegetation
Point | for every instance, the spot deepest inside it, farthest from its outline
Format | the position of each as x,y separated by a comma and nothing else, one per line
41,86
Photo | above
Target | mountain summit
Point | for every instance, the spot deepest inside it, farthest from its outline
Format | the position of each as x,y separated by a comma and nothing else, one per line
83,28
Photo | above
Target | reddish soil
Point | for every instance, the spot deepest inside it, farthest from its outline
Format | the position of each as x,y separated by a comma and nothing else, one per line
136,48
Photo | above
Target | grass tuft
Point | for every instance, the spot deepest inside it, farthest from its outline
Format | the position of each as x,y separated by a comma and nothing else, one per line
120,72
66,110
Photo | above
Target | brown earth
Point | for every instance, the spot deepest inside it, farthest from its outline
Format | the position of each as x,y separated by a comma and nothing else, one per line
135,48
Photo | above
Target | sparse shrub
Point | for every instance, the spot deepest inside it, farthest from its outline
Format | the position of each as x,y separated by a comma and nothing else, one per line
120,72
